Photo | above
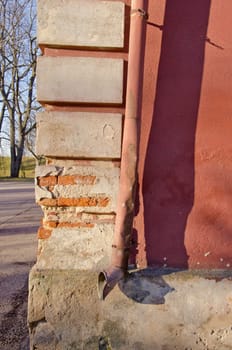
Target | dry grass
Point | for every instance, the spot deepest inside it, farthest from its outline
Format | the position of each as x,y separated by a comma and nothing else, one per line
27,170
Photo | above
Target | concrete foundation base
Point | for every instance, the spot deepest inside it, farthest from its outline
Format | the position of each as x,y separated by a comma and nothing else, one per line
150,310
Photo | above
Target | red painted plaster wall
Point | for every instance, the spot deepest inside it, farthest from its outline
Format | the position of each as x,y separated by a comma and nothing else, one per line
185,170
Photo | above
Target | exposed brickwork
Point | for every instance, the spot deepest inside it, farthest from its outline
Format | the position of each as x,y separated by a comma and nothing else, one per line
54,224
76,179
54,216
75,202
47,181
50,224
91,184
83,202
49,202
44,233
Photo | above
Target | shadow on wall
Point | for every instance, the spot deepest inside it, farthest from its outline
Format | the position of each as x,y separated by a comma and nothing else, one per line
168,183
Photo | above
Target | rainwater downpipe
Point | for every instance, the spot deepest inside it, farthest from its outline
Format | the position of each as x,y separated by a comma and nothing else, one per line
117,270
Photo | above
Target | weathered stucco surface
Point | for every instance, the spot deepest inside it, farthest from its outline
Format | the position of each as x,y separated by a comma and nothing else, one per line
151,310
185,149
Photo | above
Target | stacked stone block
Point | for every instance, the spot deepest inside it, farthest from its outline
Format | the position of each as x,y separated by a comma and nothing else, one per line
79,135
78,199
80,83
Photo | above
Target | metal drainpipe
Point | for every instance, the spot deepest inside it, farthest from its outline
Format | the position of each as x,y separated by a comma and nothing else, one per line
125,207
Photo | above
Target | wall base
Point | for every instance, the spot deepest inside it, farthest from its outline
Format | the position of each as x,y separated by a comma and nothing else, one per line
152,309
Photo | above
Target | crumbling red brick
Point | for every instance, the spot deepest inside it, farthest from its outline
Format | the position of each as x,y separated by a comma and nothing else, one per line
44,233
75,202
47,181
48,202
76,179
83,202
50,224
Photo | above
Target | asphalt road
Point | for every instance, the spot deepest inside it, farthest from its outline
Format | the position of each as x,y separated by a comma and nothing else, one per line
19,221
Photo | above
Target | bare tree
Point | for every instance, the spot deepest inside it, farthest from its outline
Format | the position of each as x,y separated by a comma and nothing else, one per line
18,53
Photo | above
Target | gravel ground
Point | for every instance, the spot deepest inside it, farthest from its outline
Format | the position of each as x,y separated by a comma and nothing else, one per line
19,221
14,331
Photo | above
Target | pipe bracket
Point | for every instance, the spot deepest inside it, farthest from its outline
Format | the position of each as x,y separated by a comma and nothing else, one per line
123,249
141,13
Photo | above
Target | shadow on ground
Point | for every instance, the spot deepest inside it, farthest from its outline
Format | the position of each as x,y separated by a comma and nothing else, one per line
147,286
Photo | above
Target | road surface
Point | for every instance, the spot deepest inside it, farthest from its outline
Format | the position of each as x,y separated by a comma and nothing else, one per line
19,221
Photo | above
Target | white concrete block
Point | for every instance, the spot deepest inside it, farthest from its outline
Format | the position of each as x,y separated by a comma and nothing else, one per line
81,23
77,248
80,80
79,134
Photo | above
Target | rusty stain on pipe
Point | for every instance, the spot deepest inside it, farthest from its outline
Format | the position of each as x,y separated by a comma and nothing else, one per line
125,207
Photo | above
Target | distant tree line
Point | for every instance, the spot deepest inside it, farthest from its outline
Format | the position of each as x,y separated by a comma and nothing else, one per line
18,56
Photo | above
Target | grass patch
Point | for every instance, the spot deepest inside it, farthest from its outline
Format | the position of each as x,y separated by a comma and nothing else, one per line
18,179
27,170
